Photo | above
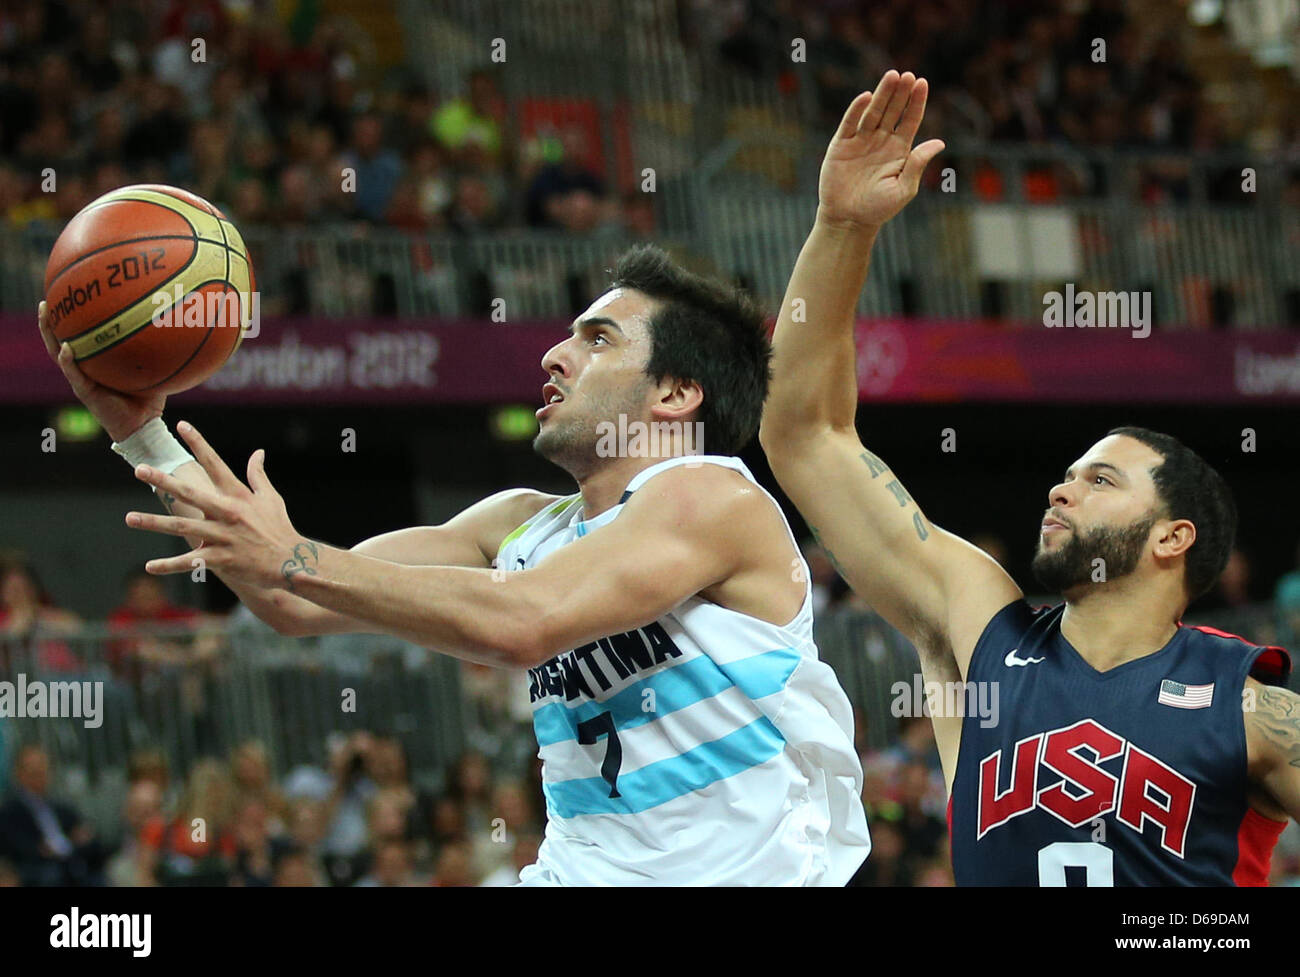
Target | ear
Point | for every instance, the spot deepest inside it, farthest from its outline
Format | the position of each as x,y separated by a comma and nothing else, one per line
677,399
1174,537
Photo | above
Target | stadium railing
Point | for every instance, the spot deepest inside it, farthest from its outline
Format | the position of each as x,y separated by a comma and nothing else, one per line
949,256
195,692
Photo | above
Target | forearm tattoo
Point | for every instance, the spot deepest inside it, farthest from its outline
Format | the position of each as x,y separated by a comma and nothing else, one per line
305,555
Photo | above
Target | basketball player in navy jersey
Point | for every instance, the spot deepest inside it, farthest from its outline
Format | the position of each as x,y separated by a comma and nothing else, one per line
1131,749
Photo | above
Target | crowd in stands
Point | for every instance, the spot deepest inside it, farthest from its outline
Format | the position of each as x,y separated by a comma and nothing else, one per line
275,114
273,126
1095,74
361,821
358,822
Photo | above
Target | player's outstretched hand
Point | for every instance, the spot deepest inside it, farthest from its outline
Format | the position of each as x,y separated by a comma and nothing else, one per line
871,170
121,415
245,533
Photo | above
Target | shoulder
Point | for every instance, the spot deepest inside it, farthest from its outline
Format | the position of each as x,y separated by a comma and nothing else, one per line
702,494
1270,664
1017,625
518,505
1019,616
501,517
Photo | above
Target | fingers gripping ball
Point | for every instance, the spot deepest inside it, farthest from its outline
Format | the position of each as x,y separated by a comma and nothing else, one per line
152,288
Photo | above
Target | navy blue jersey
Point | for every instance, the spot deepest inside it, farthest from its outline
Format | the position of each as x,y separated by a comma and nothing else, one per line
1132,776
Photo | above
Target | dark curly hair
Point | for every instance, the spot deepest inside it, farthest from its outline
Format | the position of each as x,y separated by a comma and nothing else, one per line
707,332
1189,488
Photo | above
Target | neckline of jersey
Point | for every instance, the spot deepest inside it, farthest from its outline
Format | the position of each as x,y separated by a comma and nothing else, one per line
1087,667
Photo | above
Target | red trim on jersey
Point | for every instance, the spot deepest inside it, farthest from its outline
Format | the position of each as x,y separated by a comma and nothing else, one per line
1272,666
1255,840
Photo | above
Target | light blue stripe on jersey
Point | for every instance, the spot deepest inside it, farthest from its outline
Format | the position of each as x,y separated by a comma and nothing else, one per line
674,688
659,782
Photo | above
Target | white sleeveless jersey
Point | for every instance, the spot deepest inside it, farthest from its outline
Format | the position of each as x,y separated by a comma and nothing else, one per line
708,747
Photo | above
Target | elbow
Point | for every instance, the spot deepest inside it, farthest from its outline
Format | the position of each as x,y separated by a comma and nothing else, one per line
539,645
784,443
285,624
536,639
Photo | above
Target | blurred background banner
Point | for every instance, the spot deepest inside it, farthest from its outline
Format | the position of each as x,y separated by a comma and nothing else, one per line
385,362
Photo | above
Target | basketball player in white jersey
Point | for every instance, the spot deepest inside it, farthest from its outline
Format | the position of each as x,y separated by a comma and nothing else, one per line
689,733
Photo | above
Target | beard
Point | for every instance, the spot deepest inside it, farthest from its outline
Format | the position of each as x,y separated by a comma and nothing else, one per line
570,441
1072,564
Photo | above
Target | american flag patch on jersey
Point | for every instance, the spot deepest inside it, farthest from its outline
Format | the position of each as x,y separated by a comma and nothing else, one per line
1182,696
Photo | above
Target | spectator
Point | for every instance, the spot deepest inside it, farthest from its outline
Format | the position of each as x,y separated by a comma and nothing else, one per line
151,765
27,617
250,768
135,863
391,866
161,129
1286,602
166,630
923,829
347,838
307,827
257,845
522,854
296,868
887,863
48,842
473,210
916,743
197,847
471,128
455,866
564,193
377,169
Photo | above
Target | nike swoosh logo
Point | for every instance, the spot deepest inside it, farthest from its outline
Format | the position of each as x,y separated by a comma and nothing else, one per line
1011,659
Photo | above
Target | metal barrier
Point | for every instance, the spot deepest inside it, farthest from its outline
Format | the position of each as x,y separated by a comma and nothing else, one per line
193,693
945,257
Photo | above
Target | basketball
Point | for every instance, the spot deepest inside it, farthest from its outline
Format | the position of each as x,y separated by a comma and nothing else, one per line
152,287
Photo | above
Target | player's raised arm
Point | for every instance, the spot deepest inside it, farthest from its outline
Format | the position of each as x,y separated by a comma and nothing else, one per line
937,589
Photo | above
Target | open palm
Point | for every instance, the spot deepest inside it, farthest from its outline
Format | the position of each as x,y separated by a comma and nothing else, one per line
871,170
